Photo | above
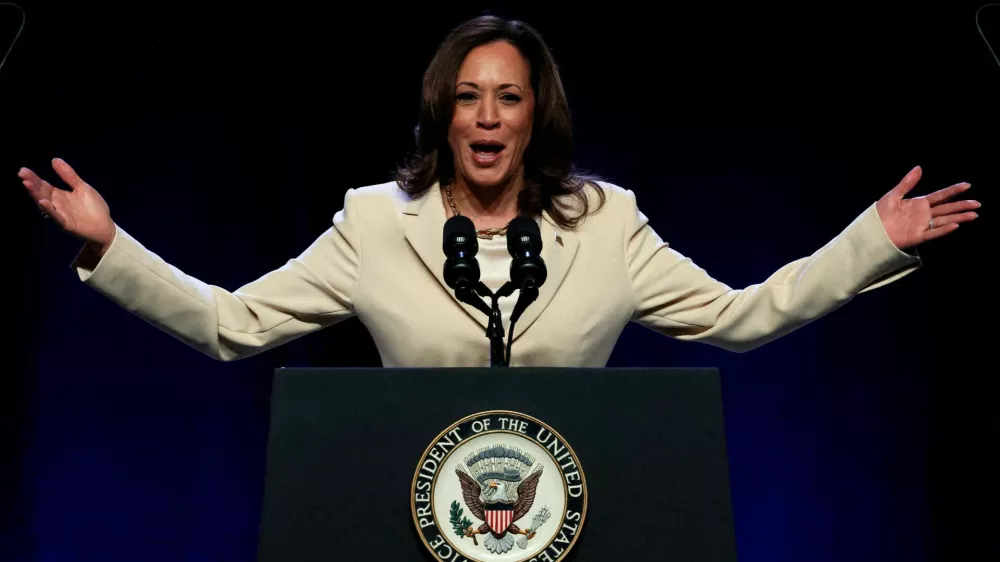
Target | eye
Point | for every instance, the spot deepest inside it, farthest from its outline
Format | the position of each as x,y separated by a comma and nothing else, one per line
465,97
510,98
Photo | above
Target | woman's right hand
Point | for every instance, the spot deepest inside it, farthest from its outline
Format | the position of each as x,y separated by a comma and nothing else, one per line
81,210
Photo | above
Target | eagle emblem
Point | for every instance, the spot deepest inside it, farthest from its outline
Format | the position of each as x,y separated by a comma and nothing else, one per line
498,486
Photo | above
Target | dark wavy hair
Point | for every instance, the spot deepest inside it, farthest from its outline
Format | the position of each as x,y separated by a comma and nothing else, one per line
549,174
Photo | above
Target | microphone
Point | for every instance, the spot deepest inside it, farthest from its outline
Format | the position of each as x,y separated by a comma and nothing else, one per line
461,273
527,269
461,270
524,243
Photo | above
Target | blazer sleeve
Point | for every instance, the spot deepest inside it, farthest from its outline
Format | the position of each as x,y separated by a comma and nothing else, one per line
309,292
675,297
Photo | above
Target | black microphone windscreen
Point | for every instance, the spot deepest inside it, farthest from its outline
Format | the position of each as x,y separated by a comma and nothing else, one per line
458,225
459,233
523,234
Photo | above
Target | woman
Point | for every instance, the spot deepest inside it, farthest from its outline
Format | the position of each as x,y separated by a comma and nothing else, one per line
493,143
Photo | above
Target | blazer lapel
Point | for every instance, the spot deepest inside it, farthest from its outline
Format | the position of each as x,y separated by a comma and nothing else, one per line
558,250
423,226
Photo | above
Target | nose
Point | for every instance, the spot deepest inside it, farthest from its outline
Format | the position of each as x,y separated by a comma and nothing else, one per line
488,117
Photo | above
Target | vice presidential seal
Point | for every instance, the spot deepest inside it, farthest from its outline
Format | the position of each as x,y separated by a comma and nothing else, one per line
499,486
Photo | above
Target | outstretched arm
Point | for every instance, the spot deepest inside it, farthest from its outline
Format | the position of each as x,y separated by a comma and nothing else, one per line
308,292
674,296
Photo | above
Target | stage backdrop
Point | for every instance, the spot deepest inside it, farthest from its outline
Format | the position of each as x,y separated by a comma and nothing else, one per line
224,140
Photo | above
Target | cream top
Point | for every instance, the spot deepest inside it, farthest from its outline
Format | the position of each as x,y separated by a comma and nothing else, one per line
494,270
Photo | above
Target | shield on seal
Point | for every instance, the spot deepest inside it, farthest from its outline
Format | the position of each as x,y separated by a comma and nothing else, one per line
499,517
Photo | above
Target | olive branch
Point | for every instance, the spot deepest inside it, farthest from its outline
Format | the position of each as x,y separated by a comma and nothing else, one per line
459,523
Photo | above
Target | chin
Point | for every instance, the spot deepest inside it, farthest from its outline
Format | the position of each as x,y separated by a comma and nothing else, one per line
490,181
489,177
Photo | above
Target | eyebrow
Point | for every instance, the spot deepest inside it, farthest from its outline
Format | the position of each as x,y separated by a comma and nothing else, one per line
502,86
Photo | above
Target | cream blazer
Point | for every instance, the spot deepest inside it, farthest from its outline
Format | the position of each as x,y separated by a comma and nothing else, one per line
382,260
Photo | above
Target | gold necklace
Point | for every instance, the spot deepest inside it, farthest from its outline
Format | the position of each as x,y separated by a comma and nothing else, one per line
484,233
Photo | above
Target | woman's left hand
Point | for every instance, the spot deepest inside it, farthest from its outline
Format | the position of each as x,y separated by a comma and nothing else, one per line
912,221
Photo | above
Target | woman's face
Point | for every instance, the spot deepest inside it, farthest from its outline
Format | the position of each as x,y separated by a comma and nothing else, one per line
494,112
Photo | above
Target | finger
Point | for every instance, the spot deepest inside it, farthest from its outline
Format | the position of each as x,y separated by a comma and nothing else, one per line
46,206
908,181
939,232
67,173
952,208
947,193
37,187
950,219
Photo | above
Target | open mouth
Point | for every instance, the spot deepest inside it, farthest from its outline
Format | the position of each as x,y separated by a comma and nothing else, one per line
486,152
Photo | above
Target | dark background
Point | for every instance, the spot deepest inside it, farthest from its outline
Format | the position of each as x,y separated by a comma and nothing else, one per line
224,139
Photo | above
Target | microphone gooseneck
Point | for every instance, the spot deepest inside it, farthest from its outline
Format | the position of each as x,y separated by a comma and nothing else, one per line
461,273
527,269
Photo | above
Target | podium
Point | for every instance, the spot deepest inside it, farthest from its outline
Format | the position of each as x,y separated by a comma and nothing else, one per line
346,445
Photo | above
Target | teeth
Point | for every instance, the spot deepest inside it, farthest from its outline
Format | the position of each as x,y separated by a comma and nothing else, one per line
486,157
